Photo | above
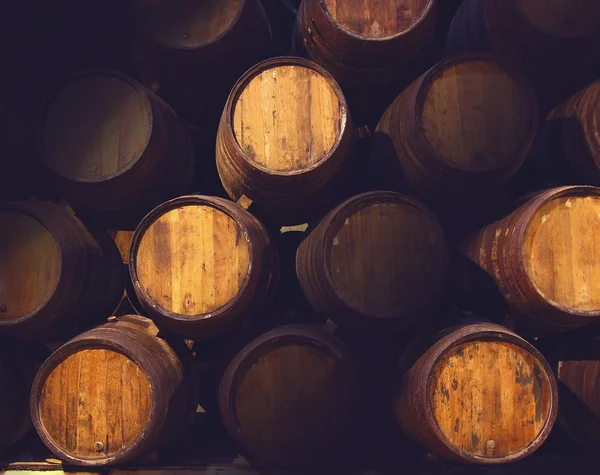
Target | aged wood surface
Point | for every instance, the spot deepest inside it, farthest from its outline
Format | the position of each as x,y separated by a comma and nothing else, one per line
377,259
289,396
122,239
543,257
287,118
479,394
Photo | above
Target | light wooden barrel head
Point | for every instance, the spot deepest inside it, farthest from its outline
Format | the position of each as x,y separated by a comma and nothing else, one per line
377,19
489,398
95,128
187,24
123,239
193,260
287,118
30,264
291,400
563,17
561,252
383,256
477,115
95,404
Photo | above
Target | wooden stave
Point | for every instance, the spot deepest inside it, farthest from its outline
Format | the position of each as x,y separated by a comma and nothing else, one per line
413,411
510,273
318,287
355,61
269,190
413,159
258,289
90,284
166,368
148,181
317,336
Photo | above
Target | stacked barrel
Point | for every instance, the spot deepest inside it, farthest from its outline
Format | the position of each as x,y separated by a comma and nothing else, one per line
208,227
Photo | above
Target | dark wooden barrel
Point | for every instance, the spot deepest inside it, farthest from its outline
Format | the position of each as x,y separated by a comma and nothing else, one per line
544,258
56,276
578,374
197,50
129,302
201,265
551,39
289,397
114,148
377,260
461,129
366,45
574,133
113,393
285,136
480,394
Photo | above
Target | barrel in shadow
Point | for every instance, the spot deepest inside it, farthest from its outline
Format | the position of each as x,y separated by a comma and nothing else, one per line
201,265
57,277
544,258
112,394
115,150
480,394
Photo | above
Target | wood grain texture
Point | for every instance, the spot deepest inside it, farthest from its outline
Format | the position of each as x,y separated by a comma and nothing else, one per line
289,396
479,394
95,403
201,265
489,398
562,17
31,264
113,147
183,24
122,239
575,128
113,393
287,118
193,260
377,259
461,129
543,258
476,116
375,19
57,277
280,148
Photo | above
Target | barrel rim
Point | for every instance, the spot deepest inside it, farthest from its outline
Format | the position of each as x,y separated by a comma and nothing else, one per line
312,335
23,207
200,46
335,218
491,332
469,56
270,64
368,39
85,341
530,209
225,206
51,95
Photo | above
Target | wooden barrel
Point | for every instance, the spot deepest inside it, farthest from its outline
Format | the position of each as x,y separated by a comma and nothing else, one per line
289,397
574,132
461,129
377,260
284,137
56,277
550,39
544,258
366,44
578,375
201,265
113,393
114,148
480,394
197,50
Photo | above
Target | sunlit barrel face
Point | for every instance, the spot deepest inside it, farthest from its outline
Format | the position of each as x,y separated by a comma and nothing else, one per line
489,398
561,252
30,265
